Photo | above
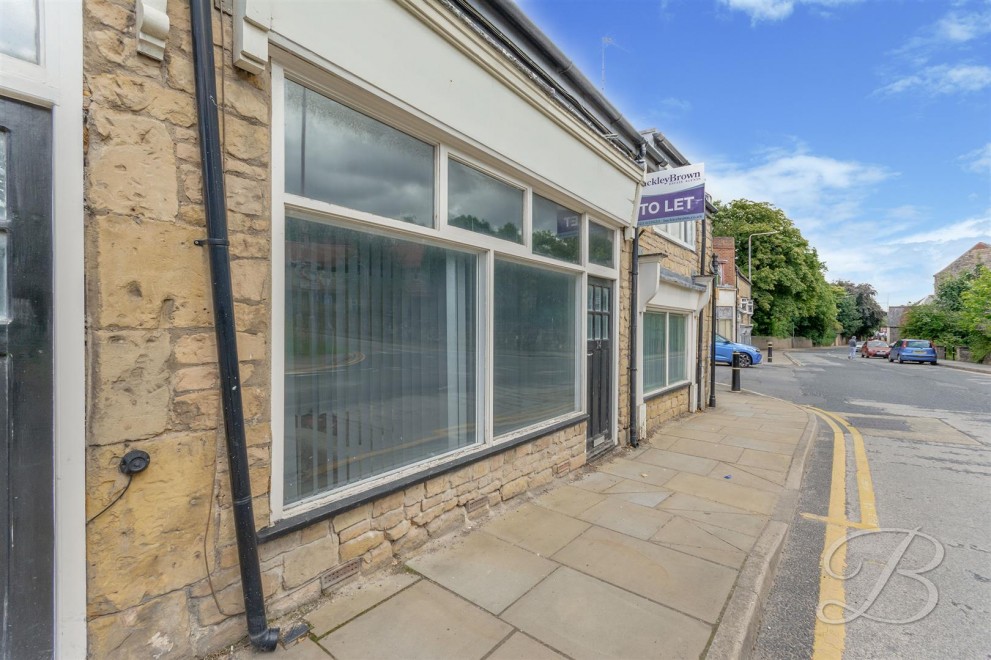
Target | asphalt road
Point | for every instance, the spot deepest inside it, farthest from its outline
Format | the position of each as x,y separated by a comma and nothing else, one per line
927,435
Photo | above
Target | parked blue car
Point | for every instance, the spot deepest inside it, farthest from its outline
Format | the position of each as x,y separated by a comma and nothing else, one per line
748,354
912,350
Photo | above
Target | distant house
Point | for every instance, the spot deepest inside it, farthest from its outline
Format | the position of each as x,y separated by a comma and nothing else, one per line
980,254
896,319
734,305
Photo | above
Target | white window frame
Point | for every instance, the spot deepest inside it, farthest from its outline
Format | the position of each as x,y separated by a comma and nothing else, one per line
488,249
668,312
687,227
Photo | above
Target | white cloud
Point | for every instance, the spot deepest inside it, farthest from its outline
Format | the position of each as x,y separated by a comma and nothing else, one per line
901,267
979,227
954,29
978,160
942,79
905,212
958,27
962,30
811,189
896,249
777,10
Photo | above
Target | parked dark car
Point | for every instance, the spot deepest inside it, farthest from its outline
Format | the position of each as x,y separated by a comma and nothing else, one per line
874,348
912,350
748,354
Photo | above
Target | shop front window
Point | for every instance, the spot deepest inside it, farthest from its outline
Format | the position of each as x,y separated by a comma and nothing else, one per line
380,355
535,342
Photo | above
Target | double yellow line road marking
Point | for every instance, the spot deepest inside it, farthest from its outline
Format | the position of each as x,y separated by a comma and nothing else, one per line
830,638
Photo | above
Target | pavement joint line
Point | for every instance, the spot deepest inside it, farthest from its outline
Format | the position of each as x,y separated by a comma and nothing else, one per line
829,639
505,639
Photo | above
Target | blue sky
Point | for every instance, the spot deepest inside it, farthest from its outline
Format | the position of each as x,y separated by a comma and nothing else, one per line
867,121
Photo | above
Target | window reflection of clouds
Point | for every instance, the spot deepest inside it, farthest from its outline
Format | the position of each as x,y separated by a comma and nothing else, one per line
482,203
341,156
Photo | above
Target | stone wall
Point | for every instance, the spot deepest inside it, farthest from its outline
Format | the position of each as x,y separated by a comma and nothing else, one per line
152,375
663,408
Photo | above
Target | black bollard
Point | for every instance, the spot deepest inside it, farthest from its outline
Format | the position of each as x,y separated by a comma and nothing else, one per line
736,372
770,352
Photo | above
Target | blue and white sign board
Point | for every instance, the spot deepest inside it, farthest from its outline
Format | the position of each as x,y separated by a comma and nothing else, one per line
676,195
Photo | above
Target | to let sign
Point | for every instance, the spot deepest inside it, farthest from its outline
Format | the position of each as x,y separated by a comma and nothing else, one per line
676,195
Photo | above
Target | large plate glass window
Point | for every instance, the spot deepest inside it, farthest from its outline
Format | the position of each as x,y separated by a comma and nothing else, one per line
380,355
482,203
556,230
665,356
337,155
535,345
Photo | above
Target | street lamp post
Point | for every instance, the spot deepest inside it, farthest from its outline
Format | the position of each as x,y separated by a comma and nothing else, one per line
750,274
714,265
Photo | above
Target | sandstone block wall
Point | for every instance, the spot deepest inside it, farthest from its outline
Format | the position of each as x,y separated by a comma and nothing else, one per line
663,408
152,377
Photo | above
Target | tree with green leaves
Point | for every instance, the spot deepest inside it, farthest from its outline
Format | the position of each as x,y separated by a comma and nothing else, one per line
954,317
975,313
789,288
859,313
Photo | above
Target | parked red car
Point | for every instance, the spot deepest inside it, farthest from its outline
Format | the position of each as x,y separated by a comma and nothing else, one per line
874,348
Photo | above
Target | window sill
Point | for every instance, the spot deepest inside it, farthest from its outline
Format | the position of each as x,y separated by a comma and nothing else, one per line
650,396
305,519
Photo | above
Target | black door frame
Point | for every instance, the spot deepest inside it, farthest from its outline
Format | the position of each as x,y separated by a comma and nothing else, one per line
600,344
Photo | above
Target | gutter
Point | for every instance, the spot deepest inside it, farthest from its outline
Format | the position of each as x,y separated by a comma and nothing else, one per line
262,637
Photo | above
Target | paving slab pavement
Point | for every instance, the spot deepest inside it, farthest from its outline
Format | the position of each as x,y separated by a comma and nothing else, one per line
664,551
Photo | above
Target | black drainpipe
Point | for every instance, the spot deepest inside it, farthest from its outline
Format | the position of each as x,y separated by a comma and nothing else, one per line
634,306
634,274
262,637
698,353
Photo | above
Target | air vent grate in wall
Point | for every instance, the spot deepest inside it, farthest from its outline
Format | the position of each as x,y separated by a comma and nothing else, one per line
476,504
334,577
